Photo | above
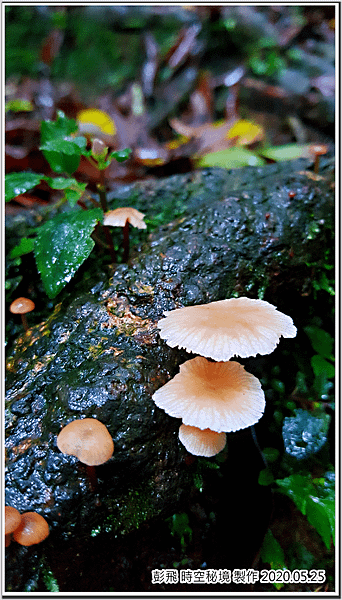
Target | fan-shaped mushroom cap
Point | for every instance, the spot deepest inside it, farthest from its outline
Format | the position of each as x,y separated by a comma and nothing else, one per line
32,530
88,439
220,330
201,442
12,519
21,306
119,216
217,396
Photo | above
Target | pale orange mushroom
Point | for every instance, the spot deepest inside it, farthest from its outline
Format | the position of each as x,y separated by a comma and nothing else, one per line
122,217
12,522
318,150
33,529
90,441
201,442
119,216
226,328
220,396
21,306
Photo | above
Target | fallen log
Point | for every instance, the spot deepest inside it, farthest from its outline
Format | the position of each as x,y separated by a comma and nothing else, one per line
259,233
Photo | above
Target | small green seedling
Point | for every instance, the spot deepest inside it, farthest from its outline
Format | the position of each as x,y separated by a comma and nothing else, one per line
64,241
180,528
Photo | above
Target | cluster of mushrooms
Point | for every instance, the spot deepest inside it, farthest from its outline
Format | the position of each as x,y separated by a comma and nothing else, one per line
215,395
212,394
27,529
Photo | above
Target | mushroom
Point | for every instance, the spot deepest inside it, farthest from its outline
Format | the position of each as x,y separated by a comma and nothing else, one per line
21,306
220,396
318,150
122,217
90,441
201,442
222,329
33,529
12,522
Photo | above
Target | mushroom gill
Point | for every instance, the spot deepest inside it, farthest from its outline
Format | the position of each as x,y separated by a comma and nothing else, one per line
226,328
201,442
220,396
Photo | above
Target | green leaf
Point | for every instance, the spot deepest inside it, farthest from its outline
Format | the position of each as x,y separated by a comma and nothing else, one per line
80,141
25,246
273,554
231,158
62,163
121,155
67,145
73,188
278,386
321,514
329,506
321,340
271,454
298,488
19,183
287,152
61,150
63,154
63,126
265,477
60,183
324,284
74,194
180,527
18,105
62,245
314,498
321,366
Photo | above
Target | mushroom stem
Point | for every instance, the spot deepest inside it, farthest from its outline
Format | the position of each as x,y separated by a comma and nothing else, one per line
318,150
125,241
24,322
93,483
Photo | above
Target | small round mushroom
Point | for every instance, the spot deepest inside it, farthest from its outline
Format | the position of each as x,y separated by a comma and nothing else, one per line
220,396
90,441
12,522
201,442
223,329
122,217
33,529
22,306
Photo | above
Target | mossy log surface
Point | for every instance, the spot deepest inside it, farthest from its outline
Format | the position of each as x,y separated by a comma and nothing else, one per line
99,354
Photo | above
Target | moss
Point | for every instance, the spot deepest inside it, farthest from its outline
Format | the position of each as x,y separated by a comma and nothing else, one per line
128,512
313,230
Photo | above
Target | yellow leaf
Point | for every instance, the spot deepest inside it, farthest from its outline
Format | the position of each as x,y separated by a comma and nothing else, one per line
246,132
95,121
174,144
